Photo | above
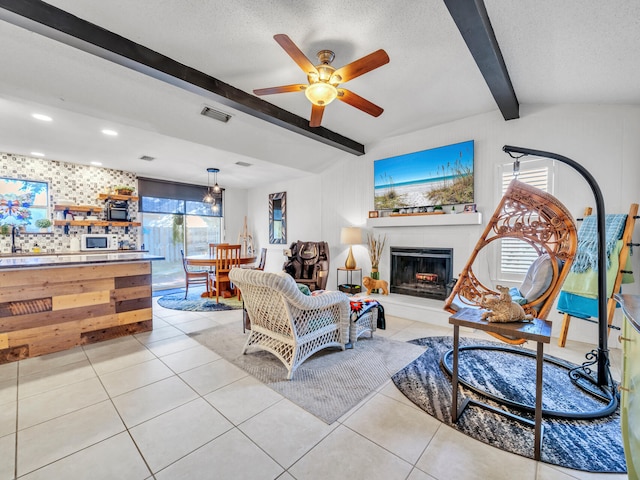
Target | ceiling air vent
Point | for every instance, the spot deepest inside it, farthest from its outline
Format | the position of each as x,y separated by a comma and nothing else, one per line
147,158
244,164
216,114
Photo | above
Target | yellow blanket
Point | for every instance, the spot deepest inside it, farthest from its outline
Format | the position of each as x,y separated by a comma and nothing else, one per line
586,283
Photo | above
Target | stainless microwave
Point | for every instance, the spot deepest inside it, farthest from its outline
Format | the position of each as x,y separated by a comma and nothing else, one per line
117,214
98,241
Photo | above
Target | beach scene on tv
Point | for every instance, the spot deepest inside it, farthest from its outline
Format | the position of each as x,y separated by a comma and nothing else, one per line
435,177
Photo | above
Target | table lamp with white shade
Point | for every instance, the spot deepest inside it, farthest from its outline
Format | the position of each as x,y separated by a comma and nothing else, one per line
350,236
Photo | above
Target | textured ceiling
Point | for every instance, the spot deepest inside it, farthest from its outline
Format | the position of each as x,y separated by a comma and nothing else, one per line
555,52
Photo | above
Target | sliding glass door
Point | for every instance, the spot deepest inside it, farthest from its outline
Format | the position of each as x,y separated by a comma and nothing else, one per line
170,225
167,234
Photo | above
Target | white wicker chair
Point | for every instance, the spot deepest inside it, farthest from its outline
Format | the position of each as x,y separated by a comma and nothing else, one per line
287,323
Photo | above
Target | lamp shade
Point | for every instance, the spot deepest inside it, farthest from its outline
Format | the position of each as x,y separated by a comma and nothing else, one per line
351,235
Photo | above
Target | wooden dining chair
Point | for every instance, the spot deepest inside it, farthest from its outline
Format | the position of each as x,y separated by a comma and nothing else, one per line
192,276
212,267
213,246
227,257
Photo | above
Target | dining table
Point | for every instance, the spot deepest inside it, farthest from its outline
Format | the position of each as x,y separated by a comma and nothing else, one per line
208,260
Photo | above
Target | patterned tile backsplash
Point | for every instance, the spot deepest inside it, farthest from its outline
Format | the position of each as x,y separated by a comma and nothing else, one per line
76,184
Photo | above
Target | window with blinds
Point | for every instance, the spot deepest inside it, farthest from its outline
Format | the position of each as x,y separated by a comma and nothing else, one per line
515,255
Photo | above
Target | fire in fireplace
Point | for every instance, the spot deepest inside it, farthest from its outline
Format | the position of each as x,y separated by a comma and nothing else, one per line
421,272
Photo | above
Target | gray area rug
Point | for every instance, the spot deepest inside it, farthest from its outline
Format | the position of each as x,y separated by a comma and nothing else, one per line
593,445
329,383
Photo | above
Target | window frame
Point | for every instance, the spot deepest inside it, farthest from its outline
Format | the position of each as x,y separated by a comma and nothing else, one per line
35,211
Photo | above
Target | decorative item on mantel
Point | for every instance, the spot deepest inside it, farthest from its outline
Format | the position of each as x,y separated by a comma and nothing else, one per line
376,248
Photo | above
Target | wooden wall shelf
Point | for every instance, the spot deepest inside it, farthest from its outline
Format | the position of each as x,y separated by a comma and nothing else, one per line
93,209
78,208
94,223
113,196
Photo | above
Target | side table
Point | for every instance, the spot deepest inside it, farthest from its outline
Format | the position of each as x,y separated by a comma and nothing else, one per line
349,286
537,330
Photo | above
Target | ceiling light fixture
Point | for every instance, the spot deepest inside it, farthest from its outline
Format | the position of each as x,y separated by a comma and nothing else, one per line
97,164
216,187
111,133
320,91
37,154
40,116
209,196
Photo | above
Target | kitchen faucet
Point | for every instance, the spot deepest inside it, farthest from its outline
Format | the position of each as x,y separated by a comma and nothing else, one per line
14,233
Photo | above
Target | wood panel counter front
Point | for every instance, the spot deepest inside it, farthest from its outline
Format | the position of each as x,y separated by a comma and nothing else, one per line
56,302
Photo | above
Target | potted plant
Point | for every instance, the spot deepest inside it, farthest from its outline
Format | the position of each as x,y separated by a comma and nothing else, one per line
123,189
177,233
376,248
43,224
5,230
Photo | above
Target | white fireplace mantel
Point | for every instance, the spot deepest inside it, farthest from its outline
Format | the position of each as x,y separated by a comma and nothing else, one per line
426,220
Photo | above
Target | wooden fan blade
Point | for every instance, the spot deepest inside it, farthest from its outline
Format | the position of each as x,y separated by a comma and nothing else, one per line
316,115
362,66
360,103
295,53
297,87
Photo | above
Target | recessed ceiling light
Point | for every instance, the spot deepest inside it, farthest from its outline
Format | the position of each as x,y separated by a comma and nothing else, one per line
111,133
97,164
37,154
40,116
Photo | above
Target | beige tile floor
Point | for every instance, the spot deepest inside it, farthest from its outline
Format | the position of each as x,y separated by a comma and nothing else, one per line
159,405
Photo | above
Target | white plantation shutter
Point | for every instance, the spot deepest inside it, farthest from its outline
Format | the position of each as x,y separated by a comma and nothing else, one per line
536,177
515,255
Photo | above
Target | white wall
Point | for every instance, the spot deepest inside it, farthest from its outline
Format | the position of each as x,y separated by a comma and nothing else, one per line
604,139
235,208
303,215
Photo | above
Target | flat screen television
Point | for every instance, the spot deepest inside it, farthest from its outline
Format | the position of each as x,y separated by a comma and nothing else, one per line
438,176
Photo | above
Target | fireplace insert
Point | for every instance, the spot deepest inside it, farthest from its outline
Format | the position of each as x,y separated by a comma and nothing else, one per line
421,272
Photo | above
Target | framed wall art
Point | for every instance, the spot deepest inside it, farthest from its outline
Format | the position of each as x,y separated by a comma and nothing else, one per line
439,176
278,218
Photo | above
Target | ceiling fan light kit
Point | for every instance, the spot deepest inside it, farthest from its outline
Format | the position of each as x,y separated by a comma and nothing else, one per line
321,93
323,79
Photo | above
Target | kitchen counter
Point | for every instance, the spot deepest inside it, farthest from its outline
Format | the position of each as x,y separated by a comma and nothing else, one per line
68,259
50,303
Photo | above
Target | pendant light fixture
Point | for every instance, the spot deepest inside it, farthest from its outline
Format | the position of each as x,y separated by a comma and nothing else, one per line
216,187
209,197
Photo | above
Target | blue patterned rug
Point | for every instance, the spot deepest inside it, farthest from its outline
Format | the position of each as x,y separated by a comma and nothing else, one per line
195,303
593,445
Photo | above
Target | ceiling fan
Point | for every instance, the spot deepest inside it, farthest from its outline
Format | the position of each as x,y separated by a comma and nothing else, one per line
324,79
